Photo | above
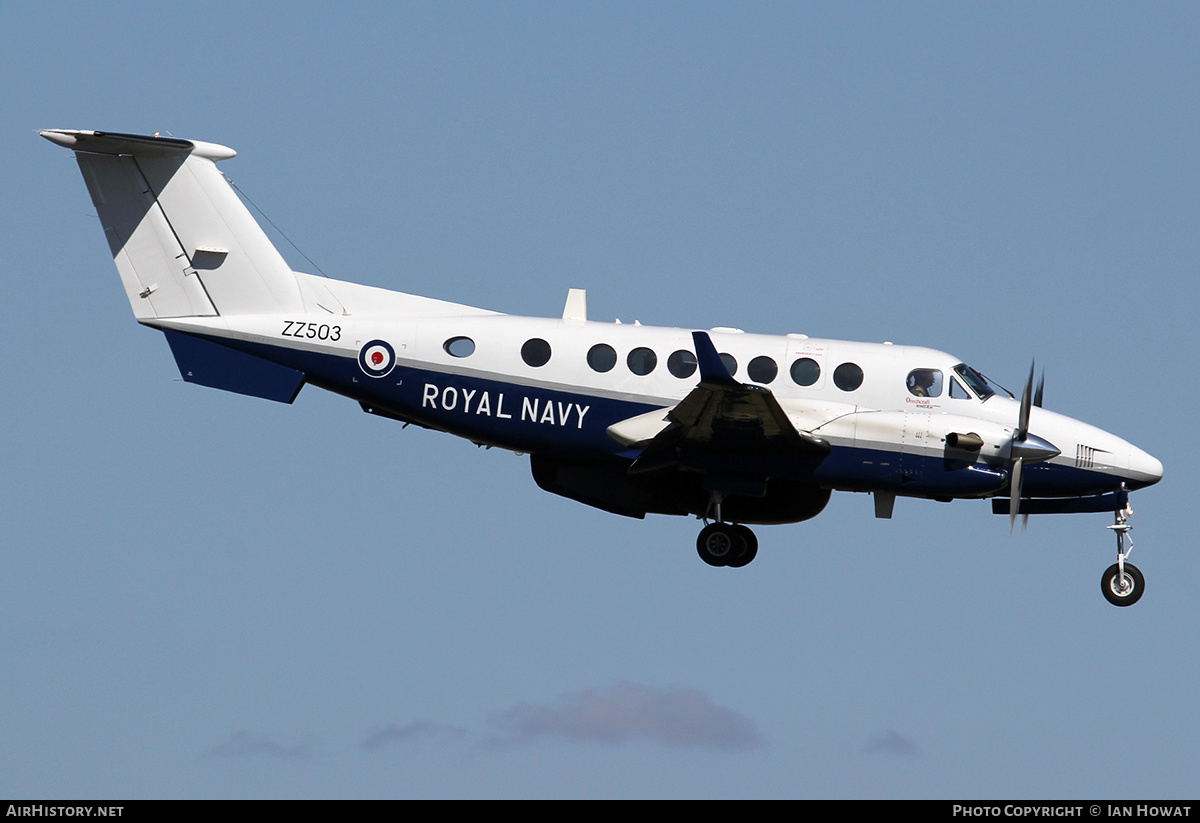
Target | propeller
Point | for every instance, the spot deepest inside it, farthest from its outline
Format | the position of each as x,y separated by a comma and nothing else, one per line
1014,500
1025,446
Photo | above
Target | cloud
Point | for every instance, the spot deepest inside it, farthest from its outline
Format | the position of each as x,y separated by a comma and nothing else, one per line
676,716
246,744
419,731
892,743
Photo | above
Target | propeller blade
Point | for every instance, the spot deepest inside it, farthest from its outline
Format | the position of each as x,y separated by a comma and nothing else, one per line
1020,446
1014,492
1026,401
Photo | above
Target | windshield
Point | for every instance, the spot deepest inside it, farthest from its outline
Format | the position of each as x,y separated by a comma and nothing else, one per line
976,381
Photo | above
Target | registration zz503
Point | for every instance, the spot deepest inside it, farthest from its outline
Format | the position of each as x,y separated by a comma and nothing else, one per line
311,331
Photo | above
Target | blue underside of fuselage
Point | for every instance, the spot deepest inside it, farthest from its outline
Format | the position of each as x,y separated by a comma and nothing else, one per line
572,425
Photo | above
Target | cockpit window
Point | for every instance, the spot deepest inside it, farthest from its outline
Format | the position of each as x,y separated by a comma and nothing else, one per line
975,381
925,382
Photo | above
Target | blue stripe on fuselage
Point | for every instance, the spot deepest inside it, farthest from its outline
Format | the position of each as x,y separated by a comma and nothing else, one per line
498,413
573,425
524,418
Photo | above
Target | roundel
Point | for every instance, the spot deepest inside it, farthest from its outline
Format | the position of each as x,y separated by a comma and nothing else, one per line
376,358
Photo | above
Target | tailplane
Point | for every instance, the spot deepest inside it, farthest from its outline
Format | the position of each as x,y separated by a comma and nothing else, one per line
183,242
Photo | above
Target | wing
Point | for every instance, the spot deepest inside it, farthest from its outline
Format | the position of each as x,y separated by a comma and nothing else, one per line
736,435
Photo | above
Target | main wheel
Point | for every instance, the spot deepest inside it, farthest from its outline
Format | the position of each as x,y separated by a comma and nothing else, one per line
1122,591
749,547
718,542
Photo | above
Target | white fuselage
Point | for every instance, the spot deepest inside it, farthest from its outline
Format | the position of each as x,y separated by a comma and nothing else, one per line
486,391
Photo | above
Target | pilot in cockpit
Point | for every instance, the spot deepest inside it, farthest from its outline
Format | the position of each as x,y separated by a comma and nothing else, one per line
925,382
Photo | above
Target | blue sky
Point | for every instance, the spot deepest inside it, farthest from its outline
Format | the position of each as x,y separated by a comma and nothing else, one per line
206,595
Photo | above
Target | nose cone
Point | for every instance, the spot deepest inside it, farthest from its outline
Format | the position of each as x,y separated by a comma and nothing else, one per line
1144,469
1096,452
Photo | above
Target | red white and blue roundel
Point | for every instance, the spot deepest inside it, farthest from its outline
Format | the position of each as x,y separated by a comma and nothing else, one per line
376,358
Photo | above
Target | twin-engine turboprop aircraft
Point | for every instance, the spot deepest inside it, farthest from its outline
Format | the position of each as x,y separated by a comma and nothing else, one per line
730,427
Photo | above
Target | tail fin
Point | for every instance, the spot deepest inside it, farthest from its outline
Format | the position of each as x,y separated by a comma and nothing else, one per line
183,242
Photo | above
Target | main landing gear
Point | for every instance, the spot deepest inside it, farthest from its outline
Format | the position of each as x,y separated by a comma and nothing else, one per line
725,544
1122,583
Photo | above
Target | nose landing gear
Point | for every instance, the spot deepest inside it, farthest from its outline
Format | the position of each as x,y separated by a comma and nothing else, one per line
1122,583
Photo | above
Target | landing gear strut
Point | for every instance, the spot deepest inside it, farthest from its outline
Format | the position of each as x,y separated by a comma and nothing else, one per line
1122,583
725,544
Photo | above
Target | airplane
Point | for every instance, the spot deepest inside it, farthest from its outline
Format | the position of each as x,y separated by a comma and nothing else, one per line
729,427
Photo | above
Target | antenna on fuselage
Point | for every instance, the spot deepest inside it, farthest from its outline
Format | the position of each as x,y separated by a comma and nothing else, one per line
576,305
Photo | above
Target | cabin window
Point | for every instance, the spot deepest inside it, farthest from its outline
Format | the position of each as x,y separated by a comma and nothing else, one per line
762,370
730,363
602,357
642,360
924,383
805,371
459,347
535,352
682,363
848,376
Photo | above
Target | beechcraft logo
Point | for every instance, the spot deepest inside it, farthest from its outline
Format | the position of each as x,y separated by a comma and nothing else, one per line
377,358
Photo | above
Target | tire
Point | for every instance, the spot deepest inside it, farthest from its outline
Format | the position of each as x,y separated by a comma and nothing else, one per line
718,542
749,547
1112,589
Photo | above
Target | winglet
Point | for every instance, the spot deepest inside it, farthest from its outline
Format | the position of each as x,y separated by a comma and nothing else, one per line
712,368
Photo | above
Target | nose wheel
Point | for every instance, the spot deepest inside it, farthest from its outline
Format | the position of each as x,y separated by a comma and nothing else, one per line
726,544
1122,587
1122,583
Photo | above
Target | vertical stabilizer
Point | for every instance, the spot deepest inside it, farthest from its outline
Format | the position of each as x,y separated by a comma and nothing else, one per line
183,242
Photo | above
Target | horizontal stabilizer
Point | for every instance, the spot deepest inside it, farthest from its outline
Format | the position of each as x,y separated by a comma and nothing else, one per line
111,142
220,367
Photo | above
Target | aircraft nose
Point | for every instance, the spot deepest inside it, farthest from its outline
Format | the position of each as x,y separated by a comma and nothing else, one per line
1145,469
